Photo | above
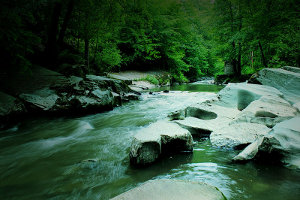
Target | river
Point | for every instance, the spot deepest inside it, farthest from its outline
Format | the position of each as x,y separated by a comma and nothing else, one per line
87,157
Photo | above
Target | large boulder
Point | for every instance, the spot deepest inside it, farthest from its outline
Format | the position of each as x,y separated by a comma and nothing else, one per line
117,86
237,135
284,140
204,118
267,110
172,189
40,100
10,108
288,82
157,139
240,95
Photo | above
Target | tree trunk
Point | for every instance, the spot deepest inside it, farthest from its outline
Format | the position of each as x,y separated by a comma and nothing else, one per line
239,59
262,55
234,61
86,52
96,46
239,62
51,46
65,22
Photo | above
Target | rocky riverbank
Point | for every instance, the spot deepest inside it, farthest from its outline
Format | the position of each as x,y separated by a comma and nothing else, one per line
262,120
45,92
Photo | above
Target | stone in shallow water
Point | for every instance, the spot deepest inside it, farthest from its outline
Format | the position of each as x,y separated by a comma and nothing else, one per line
284,138
159,138
172,189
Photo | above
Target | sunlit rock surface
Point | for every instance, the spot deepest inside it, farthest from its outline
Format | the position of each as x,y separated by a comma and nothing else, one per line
267,110
172,189
206,117
159,138
234,135
286,80
240,95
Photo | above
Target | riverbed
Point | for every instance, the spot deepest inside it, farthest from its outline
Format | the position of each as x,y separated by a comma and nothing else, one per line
87,157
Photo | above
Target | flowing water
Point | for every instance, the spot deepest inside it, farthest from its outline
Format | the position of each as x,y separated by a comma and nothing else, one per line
87,157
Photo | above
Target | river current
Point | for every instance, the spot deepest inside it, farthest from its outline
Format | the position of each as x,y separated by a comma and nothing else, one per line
87,157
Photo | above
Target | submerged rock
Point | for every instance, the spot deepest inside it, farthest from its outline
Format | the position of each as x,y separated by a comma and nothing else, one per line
172,189
159,138
288,82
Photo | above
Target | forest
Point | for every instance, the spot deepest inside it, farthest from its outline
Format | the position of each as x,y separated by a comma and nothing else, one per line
188,38
150,99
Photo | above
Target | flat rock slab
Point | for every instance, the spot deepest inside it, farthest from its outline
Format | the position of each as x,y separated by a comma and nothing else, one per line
234,135
206,117
288,82
267,111
122,78
44,99
172,190
141,85
159,138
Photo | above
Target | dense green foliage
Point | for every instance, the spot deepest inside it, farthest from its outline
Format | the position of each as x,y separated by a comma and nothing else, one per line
189,38
258,33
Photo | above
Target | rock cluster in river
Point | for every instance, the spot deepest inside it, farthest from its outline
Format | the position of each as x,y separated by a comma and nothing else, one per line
261,120
46,92
157,139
